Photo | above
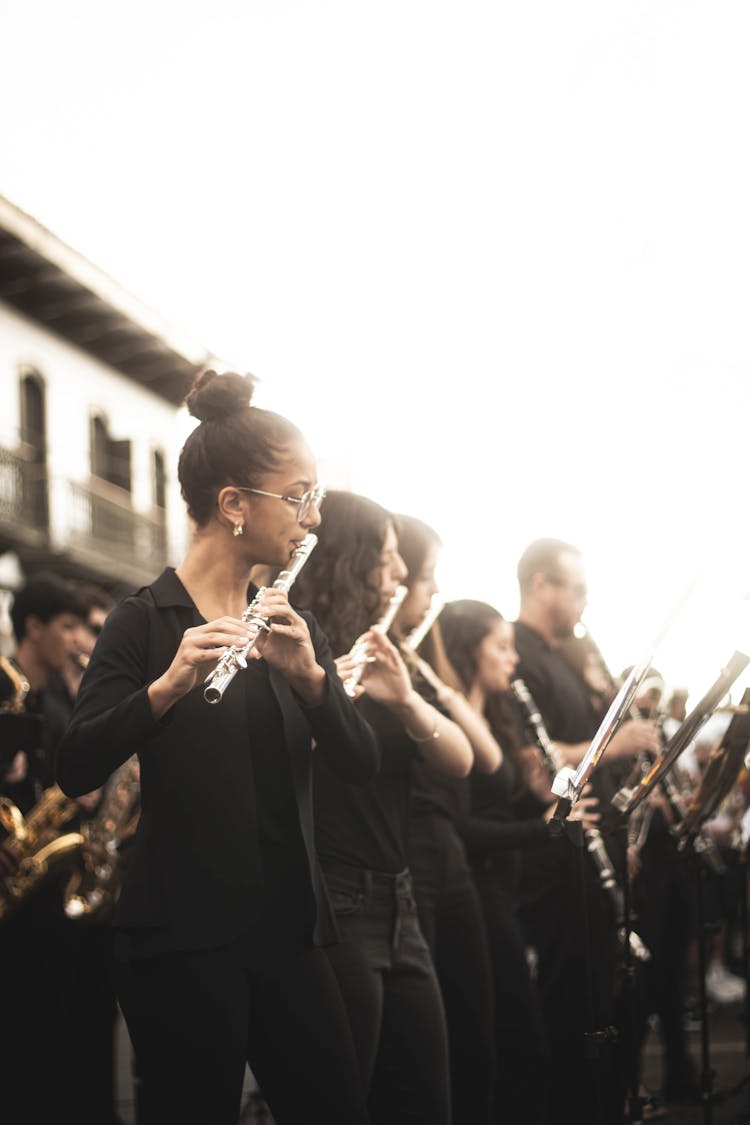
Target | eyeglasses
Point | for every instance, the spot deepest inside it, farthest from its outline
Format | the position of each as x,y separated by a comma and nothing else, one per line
305,503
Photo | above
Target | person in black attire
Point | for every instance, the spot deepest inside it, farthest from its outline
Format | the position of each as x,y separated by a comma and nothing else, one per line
382,962
91,938
223,907
566,915
36,955
450,913
496,831
663,905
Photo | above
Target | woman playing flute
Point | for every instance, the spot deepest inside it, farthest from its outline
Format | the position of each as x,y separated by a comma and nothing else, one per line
223,910
382,962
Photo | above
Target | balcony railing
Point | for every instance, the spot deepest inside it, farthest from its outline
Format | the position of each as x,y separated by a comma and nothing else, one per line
23,493
102,521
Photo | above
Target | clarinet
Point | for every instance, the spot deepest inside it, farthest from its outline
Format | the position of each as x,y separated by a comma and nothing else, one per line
359,650
595,845
235,657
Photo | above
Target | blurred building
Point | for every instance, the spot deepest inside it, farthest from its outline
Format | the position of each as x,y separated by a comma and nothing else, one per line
90,387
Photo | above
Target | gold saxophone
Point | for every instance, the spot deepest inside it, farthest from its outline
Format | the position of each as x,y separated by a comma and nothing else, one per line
94,885
15,703
35,843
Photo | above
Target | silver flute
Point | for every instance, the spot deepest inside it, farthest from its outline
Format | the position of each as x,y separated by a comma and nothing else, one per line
593,838
235,658
360,650
414,639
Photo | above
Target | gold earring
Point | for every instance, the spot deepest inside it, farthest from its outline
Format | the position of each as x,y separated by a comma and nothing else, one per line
239,528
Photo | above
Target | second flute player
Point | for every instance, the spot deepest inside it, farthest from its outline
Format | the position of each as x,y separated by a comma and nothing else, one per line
223,909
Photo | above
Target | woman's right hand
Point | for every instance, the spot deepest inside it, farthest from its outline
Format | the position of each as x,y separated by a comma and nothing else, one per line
200,646
385,677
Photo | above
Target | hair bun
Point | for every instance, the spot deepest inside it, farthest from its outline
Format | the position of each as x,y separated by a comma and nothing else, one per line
214,397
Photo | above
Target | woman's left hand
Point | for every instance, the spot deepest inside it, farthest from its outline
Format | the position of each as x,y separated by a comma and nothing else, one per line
288,646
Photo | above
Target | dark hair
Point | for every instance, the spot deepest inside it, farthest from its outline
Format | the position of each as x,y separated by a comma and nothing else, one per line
335,581
414,542
464,625
44,596
541,557
415,539
236,443
93,597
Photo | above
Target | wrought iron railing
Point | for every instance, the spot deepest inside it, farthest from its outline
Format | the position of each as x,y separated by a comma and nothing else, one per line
23,491
102,520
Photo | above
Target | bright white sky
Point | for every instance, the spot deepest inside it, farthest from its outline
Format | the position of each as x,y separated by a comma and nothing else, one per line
493,257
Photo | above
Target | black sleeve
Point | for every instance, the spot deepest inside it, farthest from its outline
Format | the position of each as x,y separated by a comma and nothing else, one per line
483,836
112,715
343,738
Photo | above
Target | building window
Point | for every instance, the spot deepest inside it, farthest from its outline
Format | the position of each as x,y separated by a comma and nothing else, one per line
110,458
34,448
159,480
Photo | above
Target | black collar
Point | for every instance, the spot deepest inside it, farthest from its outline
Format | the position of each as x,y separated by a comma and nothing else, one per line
167,591
533,635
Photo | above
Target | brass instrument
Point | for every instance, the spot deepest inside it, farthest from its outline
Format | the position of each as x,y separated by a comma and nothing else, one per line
19,729
360,651
37,846
235,658
15,703
95,883
593,838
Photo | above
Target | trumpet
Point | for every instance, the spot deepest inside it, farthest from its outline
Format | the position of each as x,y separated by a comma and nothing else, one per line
359,650
235,658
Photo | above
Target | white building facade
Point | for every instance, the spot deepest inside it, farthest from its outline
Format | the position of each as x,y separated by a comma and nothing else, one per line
90,424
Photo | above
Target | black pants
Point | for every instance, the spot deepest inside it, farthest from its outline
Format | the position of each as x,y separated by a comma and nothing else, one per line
663,904
522,1057
39,1075
391,992
450,915
196,1018
571,925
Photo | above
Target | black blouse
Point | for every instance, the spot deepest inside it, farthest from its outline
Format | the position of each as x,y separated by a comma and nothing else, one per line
212,799
367,826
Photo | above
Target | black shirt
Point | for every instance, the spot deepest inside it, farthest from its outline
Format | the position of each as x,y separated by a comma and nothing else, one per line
366,826
557,688
211,795
564,702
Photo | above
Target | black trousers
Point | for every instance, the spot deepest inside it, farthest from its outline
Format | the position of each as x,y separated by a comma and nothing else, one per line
662,898
39,1067
522,1056
571,925
450,915
392,995
196,1018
